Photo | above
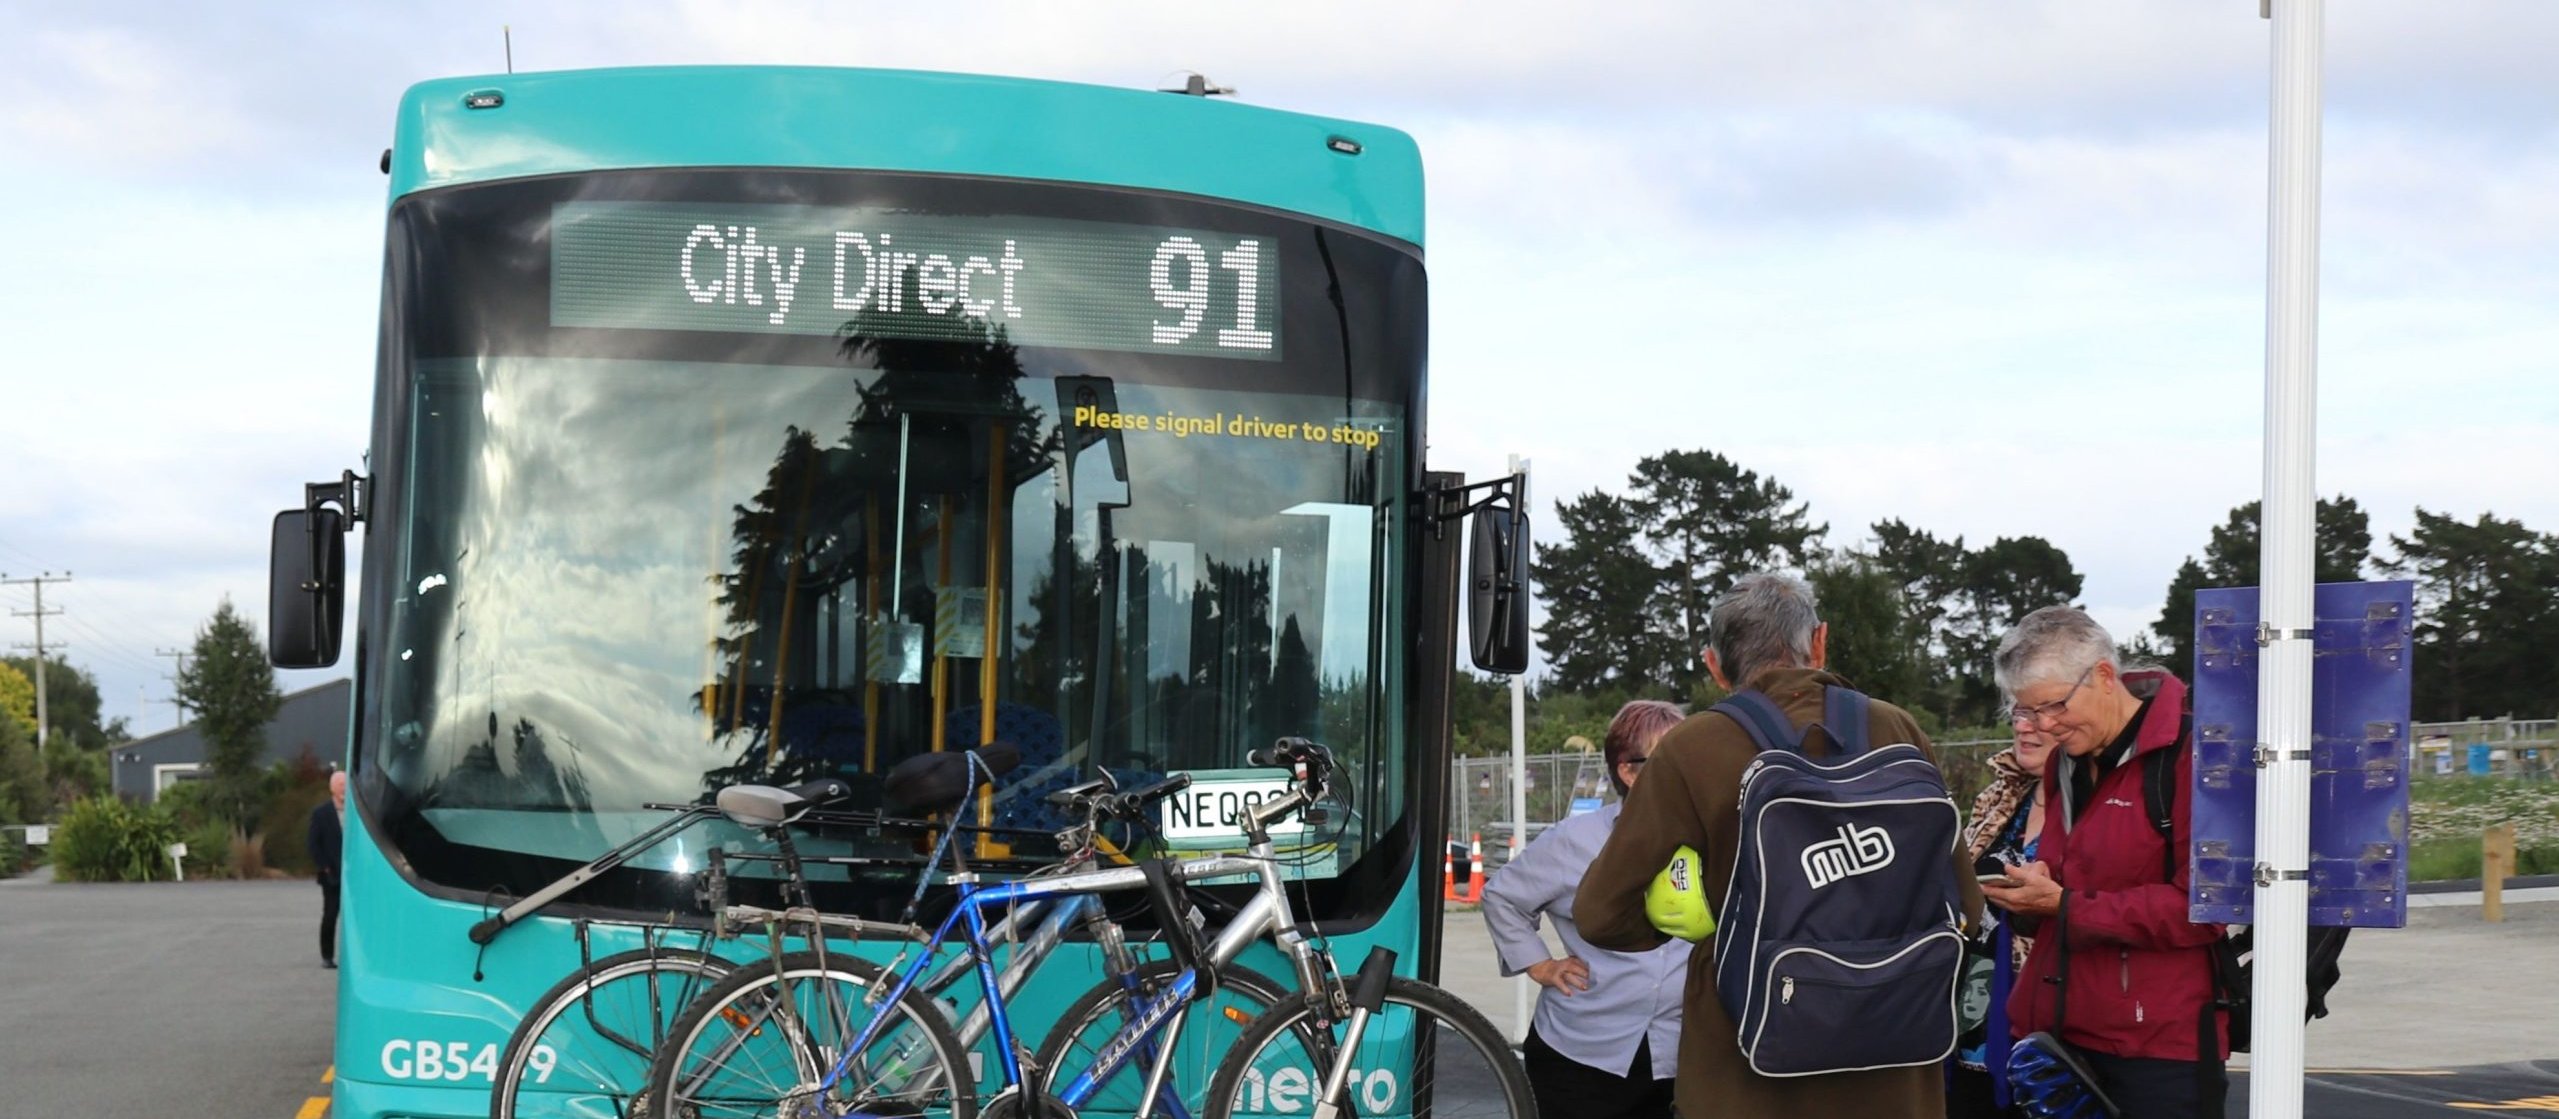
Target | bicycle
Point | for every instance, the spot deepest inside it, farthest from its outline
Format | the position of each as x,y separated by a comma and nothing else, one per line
752,1044
594,1030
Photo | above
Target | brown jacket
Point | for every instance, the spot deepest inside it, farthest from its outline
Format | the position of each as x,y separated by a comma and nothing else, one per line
1690,794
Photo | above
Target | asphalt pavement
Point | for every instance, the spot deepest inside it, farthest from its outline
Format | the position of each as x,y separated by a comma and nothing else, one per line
198,999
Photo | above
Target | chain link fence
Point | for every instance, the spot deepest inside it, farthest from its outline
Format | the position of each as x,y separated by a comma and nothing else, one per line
1563,784
2523,749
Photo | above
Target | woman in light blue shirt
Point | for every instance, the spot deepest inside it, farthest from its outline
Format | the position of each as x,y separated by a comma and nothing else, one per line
1605,1039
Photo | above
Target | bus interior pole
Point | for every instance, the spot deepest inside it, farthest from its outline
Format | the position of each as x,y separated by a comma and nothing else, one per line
2285,596
1519,777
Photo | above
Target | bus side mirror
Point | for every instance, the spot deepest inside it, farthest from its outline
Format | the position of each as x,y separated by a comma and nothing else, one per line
306,587
1497,590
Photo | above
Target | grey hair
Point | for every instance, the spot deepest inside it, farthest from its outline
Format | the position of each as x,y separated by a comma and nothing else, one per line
2052,645
1765,621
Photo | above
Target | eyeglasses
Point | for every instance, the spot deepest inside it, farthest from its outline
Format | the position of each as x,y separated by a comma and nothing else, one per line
1632,761
2036,715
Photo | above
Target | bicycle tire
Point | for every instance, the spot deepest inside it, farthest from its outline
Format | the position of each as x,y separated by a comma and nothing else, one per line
1467,1067
607,1068
924,1072
1208,1030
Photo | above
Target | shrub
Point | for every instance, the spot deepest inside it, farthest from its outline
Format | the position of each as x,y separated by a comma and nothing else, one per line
286,821
187,803
208,848
248,859
102,839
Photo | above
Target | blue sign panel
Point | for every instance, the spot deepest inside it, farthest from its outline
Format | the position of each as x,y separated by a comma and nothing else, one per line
2358,755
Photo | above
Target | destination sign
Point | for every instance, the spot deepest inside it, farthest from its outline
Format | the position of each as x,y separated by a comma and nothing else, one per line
902,274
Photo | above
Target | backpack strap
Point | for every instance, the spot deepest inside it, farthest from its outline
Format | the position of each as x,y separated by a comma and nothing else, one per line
1760,716
1845,715
2159,799
2159,796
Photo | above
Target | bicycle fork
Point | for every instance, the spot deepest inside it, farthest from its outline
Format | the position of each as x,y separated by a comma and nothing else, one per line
1368,994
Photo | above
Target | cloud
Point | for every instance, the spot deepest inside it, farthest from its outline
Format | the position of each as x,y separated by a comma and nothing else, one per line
1963,262
116,96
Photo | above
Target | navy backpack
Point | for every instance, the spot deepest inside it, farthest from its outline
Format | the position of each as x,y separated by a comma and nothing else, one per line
1838,947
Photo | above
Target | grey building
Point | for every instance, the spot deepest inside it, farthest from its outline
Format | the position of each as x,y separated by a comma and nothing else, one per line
313,720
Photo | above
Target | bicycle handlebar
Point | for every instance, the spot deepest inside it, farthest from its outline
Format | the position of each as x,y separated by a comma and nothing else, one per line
1132,804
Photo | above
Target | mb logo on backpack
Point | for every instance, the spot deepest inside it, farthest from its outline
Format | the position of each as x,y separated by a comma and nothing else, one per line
1856,851
1840,947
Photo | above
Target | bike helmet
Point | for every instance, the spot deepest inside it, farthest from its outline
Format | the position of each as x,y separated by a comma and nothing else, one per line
1676,901
2049,1081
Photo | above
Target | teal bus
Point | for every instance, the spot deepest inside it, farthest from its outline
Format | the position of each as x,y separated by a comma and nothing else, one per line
764,424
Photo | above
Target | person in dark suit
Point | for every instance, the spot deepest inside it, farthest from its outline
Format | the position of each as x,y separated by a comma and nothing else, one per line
328,827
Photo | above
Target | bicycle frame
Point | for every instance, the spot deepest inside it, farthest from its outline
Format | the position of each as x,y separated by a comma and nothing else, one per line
1267,914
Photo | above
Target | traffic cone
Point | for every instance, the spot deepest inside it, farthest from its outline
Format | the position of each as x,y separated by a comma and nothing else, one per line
1473,892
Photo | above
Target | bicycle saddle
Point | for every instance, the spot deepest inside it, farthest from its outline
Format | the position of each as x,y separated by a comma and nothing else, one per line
933,782
763,806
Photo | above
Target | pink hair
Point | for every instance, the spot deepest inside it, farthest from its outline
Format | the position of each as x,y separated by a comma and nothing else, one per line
1638,724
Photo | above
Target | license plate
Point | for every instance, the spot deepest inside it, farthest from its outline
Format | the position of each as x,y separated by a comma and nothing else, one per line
1212,808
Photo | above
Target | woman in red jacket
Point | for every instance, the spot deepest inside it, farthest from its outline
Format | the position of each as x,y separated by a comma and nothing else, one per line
2117,971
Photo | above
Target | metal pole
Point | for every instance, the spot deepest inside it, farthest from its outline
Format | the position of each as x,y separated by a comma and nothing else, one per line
2283,682
1519,787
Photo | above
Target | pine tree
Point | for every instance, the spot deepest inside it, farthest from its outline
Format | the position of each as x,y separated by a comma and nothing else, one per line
230,687
2343,548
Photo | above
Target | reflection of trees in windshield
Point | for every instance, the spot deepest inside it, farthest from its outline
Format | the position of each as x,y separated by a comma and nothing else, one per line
1175,705
808,549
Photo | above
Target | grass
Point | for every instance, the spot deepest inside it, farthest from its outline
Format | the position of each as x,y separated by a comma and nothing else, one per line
2448,814
2440,860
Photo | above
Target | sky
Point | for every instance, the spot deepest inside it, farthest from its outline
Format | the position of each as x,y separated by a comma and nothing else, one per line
1993,267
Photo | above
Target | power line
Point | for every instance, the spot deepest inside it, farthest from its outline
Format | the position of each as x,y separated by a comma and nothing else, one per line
113,648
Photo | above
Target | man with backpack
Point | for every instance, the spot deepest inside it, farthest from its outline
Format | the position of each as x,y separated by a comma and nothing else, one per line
1829,850
2118,973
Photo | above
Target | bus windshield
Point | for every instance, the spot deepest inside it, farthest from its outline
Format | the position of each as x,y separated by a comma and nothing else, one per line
701,478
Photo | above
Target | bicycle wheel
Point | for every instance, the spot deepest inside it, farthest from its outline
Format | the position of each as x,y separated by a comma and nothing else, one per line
584,1048
1209,1029
1424,1053
766,1041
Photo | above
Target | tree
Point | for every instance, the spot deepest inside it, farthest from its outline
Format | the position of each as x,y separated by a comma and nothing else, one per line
231,689
1876,638
1930,575
1708,522
24,796
2487,612
70,701
1596,584
2339,555
2002,583
17,696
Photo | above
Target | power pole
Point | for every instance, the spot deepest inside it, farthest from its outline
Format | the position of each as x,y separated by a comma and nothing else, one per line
43,725
175,701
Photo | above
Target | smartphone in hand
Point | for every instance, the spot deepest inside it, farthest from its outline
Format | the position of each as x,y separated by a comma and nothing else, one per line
1989,871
